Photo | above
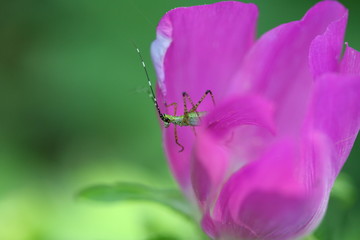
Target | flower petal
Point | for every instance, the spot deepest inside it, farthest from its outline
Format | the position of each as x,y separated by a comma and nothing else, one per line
336,112
199,48
179,161
211,162
240,110
325,49
278,64
280,196
350,63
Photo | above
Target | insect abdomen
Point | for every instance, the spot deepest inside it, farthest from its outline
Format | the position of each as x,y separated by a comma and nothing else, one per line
191,119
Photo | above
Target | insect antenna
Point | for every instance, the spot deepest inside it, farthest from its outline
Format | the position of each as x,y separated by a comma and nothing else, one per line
161,115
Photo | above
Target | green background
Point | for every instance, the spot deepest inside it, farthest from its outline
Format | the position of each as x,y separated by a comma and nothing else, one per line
75,112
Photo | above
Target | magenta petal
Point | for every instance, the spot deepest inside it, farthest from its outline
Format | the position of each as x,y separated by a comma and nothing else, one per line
336,112
240,110
325,50
264,159
199,48
211,161
209,226
179,161
278,64
279,196
210,164
350,63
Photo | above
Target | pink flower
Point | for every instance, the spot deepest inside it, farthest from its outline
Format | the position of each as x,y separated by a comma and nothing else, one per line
265,158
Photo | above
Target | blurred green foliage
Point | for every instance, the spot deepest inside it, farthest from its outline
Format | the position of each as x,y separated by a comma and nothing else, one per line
119,192
72,116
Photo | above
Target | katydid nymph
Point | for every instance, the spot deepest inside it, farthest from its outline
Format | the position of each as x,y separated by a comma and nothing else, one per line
190,118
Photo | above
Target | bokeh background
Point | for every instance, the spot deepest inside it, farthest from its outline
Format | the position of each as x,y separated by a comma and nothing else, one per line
74,112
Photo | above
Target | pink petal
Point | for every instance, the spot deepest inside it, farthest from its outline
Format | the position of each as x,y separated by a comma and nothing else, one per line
325,49
209,167
209,226
350,63
213,150
280,196
179,161
336,112
199,48
240,110
278,64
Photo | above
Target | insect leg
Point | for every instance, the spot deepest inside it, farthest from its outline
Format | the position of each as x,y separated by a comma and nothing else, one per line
194,130
186,96
202,99
175,130
185,105
186,112
177,139
172,104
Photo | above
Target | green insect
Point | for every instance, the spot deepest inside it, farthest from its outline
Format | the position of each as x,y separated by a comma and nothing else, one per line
190,117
